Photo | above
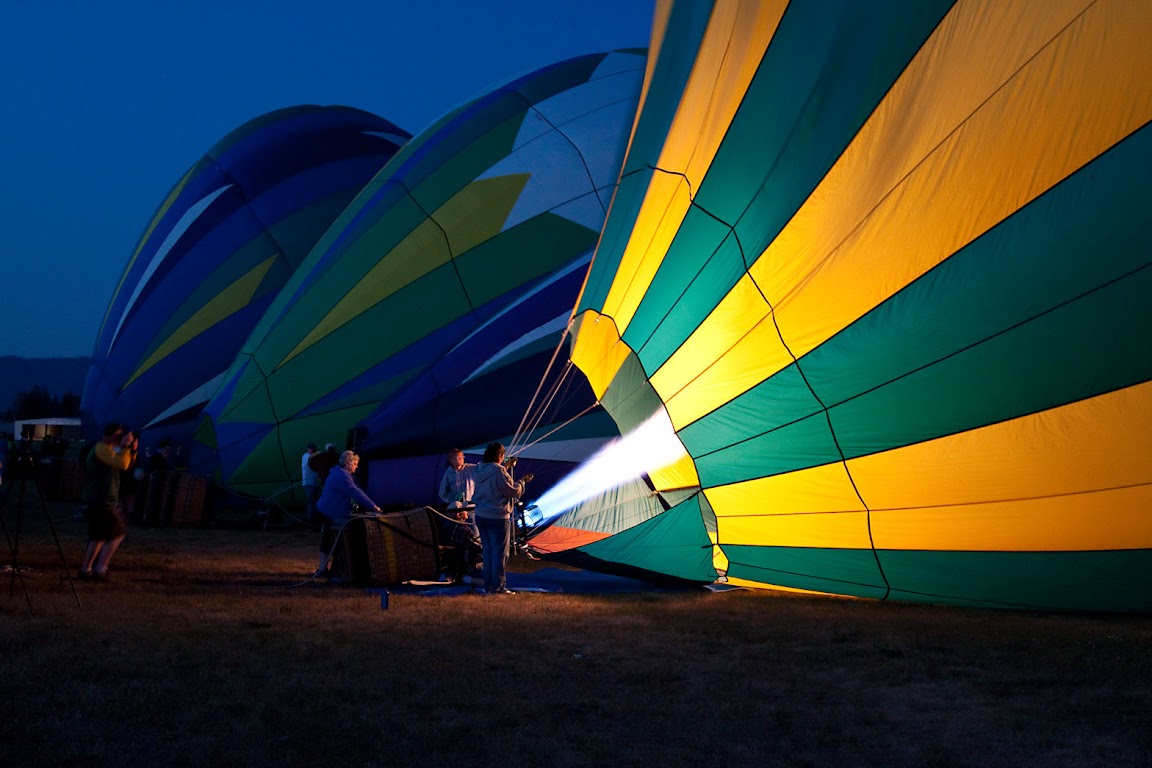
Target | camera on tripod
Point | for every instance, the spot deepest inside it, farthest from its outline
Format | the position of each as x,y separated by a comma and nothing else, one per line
21,464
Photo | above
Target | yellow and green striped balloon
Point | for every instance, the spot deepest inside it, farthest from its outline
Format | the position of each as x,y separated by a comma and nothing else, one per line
887,269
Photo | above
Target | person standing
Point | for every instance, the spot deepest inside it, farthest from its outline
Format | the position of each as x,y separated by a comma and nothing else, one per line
115,453
457,487
335,504
310,479
160,461
495,495
152,486
322,463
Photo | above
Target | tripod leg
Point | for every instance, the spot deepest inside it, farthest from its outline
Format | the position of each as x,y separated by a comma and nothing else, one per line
14,545
59,547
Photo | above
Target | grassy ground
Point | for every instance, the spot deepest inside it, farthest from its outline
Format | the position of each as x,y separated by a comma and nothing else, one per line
202,652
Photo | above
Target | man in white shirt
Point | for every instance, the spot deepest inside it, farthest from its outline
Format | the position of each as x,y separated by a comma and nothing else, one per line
311,482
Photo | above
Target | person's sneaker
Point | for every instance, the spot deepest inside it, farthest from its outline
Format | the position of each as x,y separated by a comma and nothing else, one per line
504,591
103,578
84,576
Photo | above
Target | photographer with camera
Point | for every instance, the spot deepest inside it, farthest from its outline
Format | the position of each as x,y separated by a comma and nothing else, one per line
107,527
495,495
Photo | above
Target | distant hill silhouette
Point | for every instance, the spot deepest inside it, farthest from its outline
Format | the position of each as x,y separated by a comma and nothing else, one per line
58,375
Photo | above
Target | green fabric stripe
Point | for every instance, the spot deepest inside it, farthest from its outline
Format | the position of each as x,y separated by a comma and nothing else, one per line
1097,345
388,227
248,400
1083,350
205,432
838,571
360,344
298,232
630,397
1067,581
674,543
817,84
1064,581
686,268
514,257
1071,240
372,394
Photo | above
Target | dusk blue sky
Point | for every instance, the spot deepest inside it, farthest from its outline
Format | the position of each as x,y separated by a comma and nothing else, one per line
106,104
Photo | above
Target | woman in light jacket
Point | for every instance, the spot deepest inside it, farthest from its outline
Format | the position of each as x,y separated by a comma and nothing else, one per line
495,495
335,504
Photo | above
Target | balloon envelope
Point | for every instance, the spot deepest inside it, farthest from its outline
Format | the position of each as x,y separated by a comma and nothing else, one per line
219,248
884,268
452,265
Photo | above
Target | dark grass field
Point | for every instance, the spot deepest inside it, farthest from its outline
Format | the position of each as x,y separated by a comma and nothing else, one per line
207,650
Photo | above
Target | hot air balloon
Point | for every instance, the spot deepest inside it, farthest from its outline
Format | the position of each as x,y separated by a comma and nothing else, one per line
461,259
218,250
882,271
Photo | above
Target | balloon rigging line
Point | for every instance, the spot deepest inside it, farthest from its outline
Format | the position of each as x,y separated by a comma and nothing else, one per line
546,405
525,419
557,428
521,428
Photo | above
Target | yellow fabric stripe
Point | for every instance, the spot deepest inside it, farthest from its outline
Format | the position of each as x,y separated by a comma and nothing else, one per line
710,99
472,216
1113,519
988,116
682,474
598,350
823,489
226,303
1072,478
175,193
738,582
841,530
813,508
719,559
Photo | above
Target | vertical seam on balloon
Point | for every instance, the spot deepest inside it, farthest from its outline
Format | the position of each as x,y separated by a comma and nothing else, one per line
799,369
447,241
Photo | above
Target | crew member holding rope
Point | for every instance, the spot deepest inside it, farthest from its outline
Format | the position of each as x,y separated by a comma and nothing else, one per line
335,505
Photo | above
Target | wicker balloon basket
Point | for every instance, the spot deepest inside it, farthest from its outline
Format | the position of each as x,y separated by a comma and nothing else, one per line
388,549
